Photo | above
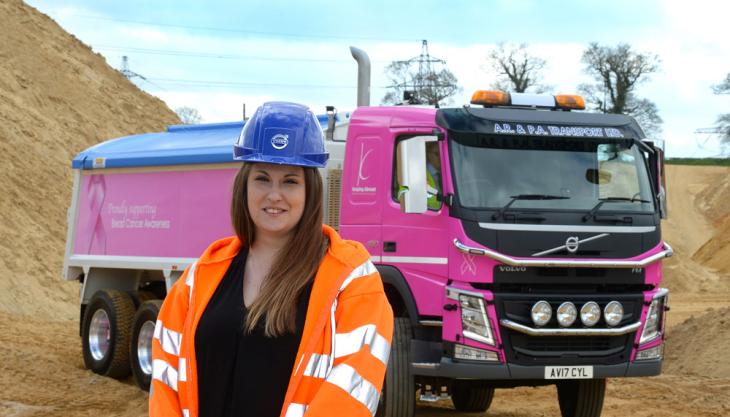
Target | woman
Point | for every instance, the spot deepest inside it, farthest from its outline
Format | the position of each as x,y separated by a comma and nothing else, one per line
285,318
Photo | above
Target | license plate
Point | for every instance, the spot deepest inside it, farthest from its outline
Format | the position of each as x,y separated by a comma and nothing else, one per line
568,372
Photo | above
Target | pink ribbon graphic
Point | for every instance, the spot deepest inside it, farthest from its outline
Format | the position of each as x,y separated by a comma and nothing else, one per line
468,265
96,190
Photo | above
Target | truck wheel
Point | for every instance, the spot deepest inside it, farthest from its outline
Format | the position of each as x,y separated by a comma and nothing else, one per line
582,397
140,349
398,398
105,333
140,297
471,396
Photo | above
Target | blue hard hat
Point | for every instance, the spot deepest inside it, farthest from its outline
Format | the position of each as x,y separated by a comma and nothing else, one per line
282,133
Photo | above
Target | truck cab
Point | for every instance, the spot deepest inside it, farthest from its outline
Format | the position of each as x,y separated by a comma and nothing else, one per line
529,256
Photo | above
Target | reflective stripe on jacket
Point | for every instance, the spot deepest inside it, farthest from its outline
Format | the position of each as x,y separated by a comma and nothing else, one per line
343,354
432,190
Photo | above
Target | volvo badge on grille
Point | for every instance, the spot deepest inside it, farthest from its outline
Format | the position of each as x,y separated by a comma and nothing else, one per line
571,244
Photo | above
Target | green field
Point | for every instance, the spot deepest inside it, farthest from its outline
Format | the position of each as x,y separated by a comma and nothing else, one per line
699,161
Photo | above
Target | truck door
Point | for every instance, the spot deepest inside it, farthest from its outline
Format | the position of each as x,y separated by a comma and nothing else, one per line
417,243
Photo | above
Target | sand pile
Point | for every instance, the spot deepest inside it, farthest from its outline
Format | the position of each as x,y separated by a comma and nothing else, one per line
699,230
57,98
699,346
688,227
715,253
715,198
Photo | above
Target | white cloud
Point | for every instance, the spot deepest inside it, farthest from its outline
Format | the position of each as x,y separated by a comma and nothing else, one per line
692,44
140,35
216,106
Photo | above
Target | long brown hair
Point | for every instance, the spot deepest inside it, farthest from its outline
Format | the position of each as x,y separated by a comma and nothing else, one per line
294,266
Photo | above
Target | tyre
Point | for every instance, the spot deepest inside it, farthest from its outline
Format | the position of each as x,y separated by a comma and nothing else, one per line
140,348
140,297
105,333
581,397
471,396
398,398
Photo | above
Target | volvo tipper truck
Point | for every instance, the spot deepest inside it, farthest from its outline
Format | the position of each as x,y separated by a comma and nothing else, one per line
518,239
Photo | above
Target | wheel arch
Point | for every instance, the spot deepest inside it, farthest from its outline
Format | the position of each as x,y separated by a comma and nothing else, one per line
399,293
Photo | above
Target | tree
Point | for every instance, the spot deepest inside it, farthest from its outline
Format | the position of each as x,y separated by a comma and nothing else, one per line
423,83
617,72
723,87
189,115
722,124
517,70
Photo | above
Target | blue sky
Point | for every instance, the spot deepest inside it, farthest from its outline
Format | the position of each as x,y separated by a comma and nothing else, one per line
216,55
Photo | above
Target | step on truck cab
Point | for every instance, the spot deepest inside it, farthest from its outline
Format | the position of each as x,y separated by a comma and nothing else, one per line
518,240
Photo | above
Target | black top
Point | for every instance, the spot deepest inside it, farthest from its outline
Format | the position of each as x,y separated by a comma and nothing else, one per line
242,374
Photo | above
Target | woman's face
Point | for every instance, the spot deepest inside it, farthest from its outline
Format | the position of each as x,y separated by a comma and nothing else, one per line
276,195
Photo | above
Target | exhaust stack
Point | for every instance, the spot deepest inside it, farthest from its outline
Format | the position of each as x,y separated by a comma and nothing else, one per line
363,76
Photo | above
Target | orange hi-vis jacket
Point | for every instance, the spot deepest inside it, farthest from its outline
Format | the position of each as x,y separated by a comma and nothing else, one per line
343,353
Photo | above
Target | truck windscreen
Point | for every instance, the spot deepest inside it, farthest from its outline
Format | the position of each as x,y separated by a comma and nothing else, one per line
489,169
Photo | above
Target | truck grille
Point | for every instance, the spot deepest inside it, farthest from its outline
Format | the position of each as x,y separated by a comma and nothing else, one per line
542,278
576,350
559,344
558,350
552,346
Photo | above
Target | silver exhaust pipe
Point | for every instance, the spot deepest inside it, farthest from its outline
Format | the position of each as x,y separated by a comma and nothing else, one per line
363,76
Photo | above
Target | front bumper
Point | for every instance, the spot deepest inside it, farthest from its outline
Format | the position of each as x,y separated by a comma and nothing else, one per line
448,368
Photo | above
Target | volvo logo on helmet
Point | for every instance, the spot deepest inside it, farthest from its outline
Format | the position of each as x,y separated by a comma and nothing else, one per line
572,243
279,141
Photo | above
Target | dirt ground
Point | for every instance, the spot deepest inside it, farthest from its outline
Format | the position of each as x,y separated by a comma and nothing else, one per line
57,98
42,374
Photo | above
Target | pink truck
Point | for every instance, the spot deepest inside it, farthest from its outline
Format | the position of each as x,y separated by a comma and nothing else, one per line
518,242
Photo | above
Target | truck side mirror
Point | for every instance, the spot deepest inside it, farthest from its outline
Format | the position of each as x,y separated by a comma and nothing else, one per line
411,171
658,175
662,186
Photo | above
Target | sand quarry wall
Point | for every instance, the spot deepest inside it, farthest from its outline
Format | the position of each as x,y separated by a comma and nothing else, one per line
57,98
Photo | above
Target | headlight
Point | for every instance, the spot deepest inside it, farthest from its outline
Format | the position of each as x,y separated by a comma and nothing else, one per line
652,328
567,313
541,313
613,313
474,321
590,313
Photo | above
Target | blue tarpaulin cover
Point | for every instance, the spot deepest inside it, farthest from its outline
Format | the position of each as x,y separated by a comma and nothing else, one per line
180,144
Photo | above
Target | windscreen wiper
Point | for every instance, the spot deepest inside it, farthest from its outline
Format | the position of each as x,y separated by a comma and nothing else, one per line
514,198
595,208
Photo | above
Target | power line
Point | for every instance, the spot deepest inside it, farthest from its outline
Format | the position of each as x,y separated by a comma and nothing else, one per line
128,72
423,83
212,83
248,32
709,133
708,130
213,55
